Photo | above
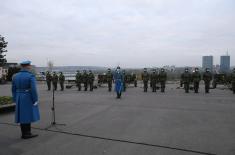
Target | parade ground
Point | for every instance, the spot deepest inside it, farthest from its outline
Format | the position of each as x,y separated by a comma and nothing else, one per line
171,123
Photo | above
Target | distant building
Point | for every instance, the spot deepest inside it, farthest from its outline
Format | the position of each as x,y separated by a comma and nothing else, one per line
4,71
224,63
7,65
207,62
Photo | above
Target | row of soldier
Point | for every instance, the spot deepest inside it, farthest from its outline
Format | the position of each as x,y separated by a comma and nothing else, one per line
196,77
54,78
81,78
85,79
186,79
154,78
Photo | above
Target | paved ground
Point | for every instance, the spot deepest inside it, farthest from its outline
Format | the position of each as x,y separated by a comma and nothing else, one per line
140,123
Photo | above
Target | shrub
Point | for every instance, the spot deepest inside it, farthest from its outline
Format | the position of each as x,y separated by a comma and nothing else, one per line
5,100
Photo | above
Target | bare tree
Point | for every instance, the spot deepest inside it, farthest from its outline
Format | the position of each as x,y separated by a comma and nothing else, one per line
3,46
50,65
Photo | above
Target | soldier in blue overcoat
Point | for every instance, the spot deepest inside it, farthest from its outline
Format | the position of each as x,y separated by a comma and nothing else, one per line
25,97
118,79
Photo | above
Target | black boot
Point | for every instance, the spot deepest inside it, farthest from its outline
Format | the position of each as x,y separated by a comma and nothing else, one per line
26,131
118,95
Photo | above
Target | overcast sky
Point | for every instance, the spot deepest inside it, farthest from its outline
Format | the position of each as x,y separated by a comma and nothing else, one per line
130,33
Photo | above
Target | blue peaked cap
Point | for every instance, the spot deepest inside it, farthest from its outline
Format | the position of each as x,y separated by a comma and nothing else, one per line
25,62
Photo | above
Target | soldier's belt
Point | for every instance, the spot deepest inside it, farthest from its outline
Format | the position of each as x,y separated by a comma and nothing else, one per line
22,90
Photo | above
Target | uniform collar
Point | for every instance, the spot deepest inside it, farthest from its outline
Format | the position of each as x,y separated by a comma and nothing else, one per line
24,70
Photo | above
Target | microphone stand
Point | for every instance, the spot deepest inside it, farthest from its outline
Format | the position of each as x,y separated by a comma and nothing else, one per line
53,123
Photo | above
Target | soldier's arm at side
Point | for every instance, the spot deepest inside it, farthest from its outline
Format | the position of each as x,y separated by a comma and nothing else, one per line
33,89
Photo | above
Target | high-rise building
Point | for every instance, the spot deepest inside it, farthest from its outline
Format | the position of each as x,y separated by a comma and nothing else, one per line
224,63
207,62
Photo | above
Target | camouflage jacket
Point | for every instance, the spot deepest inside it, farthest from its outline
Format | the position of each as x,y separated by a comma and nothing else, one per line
145,77
154,77
48,77
109,76
78,78
91,77
207,76
55,78
196,77
186,77
61,78
84,77
162,76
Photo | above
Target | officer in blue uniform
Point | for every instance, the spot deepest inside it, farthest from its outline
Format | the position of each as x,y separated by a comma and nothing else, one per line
118,79
25,97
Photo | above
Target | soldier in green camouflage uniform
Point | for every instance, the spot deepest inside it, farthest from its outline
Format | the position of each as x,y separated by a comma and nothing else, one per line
196,77
48,80
134,78
145,78
91,79
162,77
79,80
150,82
233,80
124,80
207,77
109,76
186,78
61,80
153,79
85,79
54,80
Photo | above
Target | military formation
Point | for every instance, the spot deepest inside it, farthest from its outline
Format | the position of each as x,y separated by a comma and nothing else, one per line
109,79
155,79
87,79
187,78
53,79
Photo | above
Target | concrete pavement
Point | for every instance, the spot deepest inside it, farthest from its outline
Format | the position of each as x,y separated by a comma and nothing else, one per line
171,123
